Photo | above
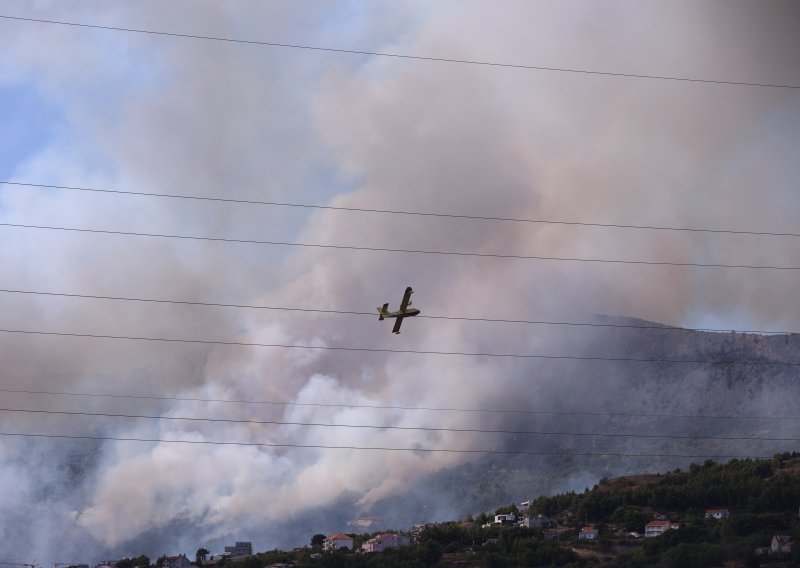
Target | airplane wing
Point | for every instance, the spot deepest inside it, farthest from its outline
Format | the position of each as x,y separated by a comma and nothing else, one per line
406,299
397,323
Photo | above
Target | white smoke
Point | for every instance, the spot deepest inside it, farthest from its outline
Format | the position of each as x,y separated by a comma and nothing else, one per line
159,114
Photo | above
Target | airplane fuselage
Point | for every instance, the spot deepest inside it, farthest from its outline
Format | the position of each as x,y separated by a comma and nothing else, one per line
411,312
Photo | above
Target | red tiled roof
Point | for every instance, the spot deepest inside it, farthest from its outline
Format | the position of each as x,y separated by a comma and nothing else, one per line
716,510
657,523
587,529
339,536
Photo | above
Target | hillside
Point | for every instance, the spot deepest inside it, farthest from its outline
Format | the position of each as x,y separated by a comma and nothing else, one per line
756,500
694,402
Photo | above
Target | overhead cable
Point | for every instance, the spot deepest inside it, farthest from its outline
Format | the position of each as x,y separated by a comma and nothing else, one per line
410,351
404,56
372,314
403,428
394,250
402,212
376,448
396,407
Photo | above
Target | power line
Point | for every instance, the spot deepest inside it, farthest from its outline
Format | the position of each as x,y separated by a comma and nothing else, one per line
377,448
405,56
372,314
396,407
392,250
401,212
403,428
412,351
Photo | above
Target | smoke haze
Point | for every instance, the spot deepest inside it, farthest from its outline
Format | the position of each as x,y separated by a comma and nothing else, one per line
159,114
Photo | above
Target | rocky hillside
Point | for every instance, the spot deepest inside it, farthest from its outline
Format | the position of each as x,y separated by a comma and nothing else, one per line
696,386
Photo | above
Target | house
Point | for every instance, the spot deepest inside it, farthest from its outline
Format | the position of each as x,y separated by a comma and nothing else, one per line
384,541
240,549
588,533
179,561
537,522
717,514
507,519
417,529
782,544
657,528
337,542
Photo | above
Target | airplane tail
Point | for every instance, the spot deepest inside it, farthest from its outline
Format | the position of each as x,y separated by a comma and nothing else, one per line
383,310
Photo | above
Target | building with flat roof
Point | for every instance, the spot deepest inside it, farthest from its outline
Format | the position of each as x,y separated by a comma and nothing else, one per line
240,549
384,541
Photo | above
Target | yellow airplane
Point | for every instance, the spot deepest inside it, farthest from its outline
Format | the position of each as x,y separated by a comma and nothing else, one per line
403,312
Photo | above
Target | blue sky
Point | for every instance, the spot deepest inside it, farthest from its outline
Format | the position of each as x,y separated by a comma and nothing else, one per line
27,122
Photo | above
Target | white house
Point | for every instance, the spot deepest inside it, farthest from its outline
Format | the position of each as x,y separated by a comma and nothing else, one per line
717,514
588,533
384,541
656,528
508,519
781,544
337,541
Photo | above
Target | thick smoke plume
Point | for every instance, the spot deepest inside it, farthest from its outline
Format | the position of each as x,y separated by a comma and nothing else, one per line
167,115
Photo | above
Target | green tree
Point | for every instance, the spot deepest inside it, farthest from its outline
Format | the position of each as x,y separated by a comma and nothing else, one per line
429,553
317,541
200,556
253,562
631,517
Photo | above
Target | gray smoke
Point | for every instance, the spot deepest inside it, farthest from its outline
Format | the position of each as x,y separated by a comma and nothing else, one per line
159,114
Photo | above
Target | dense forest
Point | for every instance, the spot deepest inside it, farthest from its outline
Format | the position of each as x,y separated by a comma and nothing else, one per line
750,486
